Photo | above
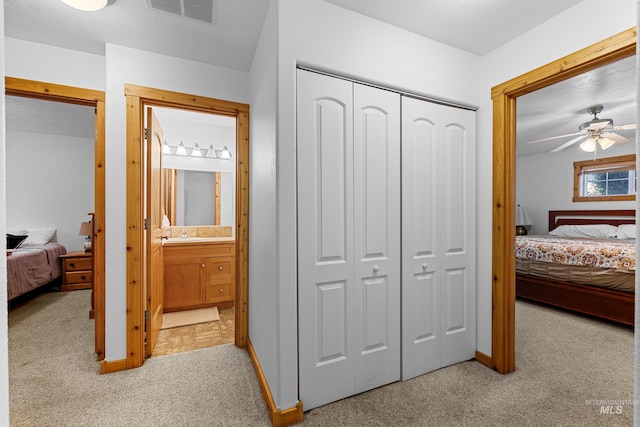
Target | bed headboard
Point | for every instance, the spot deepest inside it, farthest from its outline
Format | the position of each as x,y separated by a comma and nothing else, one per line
611,216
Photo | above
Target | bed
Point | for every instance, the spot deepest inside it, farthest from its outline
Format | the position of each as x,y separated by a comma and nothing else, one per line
35,261
593,276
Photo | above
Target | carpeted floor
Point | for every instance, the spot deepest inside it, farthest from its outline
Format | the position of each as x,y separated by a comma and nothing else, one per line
564,364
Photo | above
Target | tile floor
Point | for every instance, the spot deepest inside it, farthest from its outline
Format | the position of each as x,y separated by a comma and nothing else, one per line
193,337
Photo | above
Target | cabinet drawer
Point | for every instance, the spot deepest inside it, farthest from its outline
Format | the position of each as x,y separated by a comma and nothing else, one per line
219,269
74,264
78,277
219,292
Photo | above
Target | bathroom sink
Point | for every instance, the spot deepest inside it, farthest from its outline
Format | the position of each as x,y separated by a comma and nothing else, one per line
186,239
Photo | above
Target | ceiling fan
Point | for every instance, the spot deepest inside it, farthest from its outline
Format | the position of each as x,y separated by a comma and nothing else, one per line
596,130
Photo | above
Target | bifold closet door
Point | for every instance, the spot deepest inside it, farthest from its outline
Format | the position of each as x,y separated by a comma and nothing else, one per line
348,162
438,236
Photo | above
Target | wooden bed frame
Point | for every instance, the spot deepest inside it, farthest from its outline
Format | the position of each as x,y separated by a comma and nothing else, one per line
603,303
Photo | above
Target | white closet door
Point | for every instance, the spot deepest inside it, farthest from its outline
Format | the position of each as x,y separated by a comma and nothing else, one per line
438,229
376,236
348,238
325,238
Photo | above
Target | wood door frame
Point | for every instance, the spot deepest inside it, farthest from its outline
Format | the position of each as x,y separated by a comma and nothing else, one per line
92,98
504,96
136,98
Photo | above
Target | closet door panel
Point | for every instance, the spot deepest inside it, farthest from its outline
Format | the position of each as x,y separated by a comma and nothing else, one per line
325,238
459,341
376,236
420,236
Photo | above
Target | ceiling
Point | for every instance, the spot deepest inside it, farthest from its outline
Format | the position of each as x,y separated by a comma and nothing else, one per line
232,39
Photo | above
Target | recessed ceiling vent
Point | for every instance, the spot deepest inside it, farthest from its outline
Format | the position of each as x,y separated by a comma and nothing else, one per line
200,10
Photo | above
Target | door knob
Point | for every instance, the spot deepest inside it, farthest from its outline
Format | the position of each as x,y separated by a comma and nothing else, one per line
425,266
376,268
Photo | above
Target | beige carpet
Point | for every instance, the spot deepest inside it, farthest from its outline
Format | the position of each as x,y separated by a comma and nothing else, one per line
190,317
566,366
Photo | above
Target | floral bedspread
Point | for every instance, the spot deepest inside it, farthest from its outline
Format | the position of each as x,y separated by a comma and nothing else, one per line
602,253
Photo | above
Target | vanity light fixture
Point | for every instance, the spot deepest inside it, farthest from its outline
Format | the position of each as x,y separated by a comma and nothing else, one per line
196,151
225,154
211,152
181,151
86,5
165,148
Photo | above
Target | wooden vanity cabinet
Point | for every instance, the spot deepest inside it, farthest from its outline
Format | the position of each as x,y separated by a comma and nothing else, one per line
198,275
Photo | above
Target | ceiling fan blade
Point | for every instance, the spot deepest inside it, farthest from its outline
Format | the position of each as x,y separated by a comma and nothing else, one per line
625,127
556,137
619,139
568,143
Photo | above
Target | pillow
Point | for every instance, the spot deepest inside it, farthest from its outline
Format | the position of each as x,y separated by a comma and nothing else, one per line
39,236
626,231
14,240
586,230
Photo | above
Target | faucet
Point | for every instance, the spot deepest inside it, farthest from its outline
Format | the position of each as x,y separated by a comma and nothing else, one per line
184,233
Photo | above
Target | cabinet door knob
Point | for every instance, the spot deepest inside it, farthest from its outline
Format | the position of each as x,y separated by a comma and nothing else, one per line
376,268
424,266
220,268
72,265
220,290
202,265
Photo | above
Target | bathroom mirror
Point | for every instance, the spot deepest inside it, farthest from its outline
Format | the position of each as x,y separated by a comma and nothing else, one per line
193,197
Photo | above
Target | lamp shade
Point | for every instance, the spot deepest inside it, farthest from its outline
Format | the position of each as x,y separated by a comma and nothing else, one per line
86,229
522,217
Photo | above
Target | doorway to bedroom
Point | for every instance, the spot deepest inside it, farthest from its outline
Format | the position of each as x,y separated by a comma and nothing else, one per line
504,98
35,152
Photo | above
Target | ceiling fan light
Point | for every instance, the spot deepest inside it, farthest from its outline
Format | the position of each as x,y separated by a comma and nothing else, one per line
605,142
86,5
589,145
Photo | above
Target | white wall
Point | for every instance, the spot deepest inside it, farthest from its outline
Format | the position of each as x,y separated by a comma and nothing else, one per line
263,220
4,344
131,66
544,182
560,36
323,36
50,184
51,64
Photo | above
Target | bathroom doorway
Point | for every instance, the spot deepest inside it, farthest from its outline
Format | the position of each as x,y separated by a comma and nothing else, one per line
197,198
140,303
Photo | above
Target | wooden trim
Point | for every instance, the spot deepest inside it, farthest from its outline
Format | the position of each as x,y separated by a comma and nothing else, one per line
52,92
109,367
168,98
136,97
504,122
135,235
95,98
278,417
242,229
628,160
484,359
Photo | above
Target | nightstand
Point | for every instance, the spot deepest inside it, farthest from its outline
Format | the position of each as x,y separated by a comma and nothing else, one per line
77,271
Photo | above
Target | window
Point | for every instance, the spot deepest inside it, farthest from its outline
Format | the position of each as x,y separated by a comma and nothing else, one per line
613,178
